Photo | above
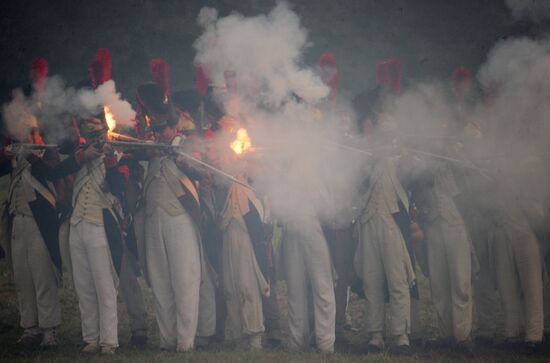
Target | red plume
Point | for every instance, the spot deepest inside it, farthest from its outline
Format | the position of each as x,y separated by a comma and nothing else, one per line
104,56
461,74
201,79
329,72
159,71
461,81
209,134
39,69
327,59
388,74
230,81
100,67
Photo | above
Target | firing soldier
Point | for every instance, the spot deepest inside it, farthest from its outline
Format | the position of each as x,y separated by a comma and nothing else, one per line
32,243
172,239
307,267
95,239
95,236
244,262
132,173
29,231
369,107
449,252
258,228
473,205
187,107
382,259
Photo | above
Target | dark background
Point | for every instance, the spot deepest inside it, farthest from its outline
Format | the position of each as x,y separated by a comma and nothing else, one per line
432,37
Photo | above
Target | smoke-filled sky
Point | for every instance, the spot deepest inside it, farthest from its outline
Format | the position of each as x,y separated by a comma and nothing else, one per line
431,36
273,47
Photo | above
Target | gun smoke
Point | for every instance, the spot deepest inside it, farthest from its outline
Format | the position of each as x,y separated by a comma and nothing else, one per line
56,103
304,175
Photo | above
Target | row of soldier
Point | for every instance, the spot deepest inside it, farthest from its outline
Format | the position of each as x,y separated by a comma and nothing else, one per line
204,243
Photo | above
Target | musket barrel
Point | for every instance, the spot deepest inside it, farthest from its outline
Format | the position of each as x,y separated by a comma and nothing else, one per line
142,144
35,146
115,136
177,151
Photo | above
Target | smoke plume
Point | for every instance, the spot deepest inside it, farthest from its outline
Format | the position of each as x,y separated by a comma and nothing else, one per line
535,10
56,103
498,140
305,174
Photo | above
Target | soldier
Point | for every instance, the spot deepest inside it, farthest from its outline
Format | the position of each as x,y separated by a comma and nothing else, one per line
95,237
187,104
307,268
472,203
172,219
518,269
448,252
32,243
381,257
243,281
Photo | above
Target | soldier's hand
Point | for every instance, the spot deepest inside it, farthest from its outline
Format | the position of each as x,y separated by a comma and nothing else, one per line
91,153
108,149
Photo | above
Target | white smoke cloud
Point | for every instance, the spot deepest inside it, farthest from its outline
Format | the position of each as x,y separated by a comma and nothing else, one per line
535,10
19,115
265,51
517,117
56,103
302,173
499,139
106,95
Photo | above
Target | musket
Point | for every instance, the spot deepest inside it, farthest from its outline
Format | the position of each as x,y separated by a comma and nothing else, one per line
177,150
350,148
34,146
465,164
115,136
141,144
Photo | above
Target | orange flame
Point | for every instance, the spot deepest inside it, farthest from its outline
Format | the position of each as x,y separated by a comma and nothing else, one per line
109,118
242,142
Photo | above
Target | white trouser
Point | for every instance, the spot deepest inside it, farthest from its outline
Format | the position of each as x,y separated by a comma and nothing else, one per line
173,262
132,294
95,283
382,258
450,261
34,275
307,260
243,294
519,281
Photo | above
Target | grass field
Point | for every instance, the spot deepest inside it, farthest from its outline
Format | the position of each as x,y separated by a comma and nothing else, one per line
71,342
70,339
